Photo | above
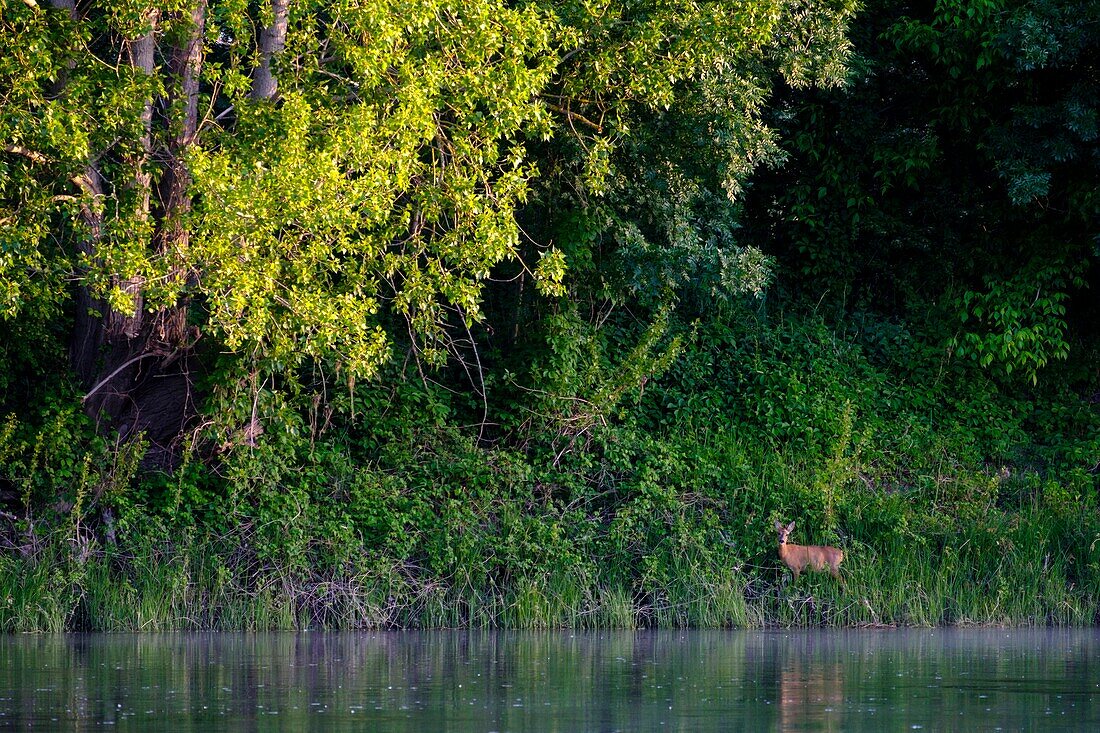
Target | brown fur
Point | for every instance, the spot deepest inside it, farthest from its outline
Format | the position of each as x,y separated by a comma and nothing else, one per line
815,557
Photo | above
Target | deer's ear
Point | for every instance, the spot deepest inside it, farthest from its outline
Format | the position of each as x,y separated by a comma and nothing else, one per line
778,525
790,527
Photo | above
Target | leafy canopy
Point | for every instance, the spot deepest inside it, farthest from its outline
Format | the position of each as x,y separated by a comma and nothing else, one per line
372,198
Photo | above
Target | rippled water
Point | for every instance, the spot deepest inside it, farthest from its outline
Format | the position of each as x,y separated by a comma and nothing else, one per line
964,680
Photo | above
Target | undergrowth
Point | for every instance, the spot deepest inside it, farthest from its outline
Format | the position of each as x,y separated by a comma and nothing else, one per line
602,501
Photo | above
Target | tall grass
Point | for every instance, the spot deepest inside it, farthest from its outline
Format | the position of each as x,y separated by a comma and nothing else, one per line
1011,570
1020,577
36,592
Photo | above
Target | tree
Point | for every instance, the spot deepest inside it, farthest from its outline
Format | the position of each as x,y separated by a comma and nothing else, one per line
250,189
258,181
661,109
660,119
955,174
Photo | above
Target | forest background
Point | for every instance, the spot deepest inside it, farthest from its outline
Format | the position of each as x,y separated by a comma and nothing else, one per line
539,313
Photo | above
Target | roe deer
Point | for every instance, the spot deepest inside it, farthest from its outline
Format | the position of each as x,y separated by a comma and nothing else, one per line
797,557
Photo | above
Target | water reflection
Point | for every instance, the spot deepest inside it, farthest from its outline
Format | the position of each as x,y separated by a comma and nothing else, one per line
482,681
811,689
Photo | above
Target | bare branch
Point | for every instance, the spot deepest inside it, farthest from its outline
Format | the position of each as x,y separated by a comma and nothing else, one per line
575,116
112,375
31,155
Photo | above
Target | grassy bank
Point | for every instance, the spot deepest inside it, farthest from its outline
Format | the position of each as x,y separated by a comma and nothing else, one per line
1019,570
955,501
1013,552
454,331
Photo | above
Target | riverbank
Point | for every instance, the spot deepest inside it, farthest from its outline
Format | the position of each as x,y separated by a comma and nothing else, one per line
543,314
1027,567
955,500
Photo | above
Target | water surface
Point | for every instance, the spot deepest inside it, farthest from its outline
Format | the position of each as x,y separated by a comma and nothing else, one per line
966,680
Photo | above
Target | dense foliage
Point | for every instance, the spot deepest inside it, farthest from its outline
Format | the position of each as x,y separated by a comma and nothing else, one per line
541,313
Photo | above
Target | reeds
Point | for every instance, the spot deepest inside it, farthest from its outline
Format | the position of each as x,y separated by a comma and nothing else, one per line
1012,572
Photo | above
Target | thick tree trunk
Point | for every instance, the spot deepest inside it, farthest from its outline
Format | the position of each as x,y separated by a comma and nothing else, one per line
138,369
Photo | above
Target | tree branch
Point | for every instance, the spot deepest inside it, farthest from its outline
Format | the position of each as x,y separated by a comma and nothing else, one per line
31,155
113,374
574,116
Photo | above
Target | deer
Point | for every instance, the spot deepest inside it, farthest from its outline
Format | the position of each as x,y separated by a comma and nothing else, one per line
798,557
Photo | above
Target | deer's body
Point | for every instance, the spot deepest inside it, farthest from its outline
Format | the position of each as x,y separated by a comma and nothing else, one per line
800,557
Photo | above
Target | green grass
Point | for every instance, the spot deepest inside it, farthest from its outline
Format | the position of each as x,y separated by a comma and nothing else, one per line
1014,569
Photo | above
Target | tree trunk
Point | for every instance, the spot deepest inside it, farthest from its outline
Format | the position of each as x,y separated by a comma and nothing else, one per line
272,40
138,369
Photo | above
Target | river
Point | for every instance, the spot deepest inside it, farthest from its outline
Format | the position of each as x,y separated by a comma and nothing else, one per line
805,680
